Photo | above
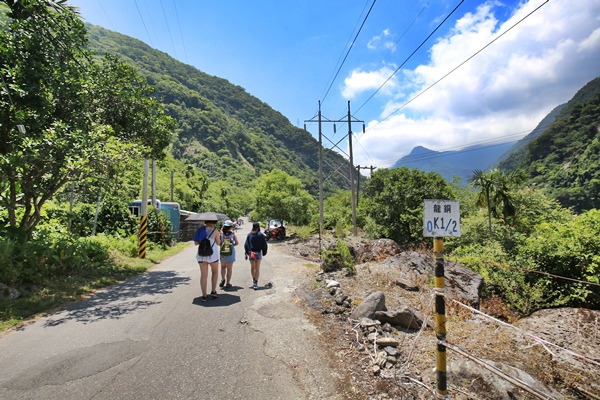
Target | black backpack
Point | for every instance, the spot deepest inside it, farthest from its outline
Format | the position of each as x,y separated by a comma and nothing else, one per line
205,247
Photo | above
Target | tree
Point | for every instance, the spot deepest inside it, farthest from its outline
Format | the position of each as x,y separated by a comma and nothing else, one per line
279,195
80,115
395,201
495,192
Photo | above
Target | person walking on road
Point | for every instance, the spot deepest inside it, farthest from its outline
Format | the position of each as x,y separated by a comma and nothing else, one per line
228,242
255,248
210,232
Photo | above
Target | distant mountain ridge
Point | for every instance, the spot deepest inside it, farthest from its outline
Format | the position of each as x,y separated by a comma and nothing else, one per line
459,163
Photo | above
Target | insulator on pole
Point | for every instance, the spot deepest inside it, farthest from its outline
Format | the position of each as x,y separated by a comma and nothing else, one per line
304,126
363,128
334,128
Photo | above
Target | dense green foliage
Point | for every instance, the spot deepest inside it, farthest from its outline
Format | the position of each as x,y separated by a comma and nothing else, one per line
394,201
232,153
280,196
338,256
564,159
80,115
495,188
541,236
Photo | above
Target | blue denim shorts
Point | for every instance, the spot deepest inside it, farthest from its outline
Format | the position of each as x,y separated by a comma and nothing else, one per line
255,256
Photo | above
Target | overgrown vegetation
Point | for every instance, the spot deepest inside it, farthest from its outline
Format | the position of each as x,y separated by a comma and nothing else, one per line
233,154
338,256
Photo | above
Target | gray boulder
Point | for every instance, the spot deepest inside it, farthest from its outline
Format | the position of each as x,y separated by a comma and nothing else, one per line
404,316
7,292
373,303
461,282
484,381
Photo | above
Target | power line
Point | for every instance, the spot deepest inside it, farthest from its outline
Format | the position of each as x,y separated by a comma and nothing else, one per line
392,49
412,54
168,28
462,147
107,17
143,23
406,30
180,31
351,45
458,66
349,41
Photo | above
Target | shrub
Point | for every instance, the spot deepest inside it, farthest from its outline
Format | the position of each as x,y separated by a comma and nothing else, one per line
338,256
302,232
53,254
492,263
569,249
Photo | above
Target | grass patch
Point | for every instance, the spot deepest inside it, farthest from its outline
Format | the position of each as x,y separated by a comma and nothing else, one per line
57,292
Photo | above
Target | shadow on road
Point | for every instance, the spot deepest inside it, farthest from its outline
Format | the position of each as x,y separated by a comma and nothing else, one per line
224,300
122,298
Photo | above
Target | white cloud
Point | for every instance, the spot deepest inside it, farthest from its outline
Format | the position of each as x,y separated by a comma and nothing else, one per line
382,41
360,81
506,89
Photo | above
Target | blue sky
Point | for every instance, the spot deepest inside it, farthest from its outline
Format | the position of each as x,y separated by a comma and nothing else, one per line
287,53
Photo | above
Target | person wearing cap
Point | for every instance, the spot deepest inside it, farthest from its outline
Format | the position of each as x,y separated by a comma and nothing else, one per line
227,261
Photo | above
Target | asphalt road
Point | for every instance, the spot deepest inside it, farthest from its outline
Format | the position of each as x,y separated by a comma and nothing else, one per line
151,338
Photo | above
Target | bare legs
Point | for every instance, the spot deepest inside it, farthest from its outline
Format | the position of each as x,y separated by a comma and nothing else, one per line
255,270
214,267
226,272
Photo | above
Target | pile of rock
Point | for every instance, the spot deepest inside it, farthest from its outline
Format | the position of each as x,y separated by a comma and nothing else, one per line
385,345
341,301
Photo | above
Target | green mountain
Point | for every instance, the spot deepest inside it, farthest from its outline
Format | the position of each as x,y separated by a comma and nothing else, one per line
564,159
223,130
515,155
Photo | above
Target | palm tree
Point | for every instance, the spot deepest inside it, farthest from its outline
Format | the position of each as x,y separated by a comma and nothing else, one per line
495,192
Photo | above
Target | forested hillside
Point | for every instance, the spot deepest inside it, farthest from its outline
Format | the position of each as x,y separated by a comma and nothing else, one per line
514,157
564,159
222,130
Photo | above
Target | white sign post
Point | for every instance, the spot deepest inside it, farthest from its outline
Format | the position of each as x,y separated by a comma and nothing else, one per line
441,218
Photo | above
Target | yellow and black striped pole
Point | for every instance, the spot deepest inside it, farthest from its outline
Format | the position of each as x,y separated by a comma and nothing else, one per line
440,317
144,214
143,235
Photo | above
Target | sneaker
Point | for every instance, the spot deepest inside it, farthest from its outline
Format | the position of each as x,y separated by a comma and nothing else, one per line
255,286
214,295
269,285
203,298
222,283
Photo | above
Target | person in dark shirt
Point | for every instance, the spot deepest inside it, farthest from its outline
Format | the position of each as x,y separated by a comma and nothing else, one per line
255,248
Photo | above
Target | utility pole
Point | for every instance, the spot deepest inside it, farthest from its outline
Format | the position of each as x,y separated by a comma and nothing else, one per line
172,184
352,195
154,184
321,219
350,156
